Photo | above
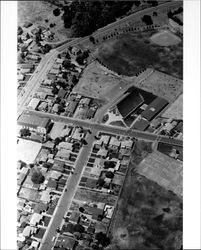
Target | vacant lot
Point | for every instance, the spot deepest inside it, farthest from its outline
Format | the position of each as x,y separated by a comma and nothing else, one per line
162,85
175,111
164,170
36,12
27,150
98,83
92,196
147,217
129,53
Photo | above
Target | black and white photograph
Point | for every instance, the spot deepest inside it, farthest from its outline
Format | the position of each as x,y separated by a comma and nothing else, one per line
99,123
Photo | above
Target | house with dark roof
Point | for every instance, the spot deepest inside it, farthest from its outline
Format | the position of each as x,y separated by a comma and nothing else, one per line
62,93
34,123
130,103
154,108
71,106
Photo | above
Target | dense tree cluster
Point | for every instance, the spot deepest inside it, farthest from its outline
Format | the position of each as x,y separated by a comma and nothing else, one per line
37,177
84,17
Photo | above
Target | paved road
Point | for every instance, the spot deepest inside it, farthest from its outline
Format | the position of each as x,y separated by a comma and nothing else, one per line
110,129
66,198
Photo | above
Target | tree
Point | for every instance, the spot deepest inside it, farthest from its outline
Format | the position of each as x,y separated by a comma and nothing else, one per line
79,228
57,141
91,39
100,182
109,164
25,132
56,12
147,20
37,177
102,239
81,209
66,64
109,174
74,79
55,91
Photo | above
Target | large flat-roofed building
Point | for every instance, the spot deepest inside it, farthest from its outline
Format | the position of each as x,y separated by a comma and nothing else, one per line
140,125
130,103
154,108
34,123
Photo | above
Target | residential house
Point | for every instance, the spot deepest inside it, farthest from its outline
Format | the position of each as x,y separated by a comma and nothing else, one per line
36,219
62,93
28,231
63,154
85,101
77,135
43,106
65,145
105,139
114,142
127,143
71,106
33,103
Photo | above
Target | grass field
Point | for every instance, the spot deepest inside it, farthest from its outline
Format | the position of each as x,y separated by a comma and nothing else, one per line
162,85
175,111
36,12
148,217
164,170
129,53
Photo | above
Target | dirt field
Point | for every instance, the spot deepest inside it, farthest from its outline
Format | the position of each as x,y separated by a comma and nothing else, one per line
27,150
164,170
129,53
165,38
98,83
36,12
162,85
175,111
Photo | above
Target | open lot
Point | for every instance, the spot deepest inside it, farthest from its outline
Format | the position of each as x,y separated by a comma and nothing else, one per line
92,196
164,170
129,53
175,111
162,85
27,150
36,12
98,83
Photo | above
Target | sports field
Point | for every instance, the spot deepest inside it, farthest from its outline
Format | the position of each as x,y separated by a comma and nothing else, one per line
27,150
165,38
129,53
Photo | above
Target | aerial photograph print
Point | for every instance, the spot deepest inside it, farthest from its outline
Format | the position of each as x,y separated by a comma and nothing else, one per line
99,125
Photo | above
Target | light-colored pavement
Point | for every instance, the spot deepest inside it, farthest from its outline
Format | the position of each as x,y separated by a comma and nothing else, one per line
110,129
66,198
